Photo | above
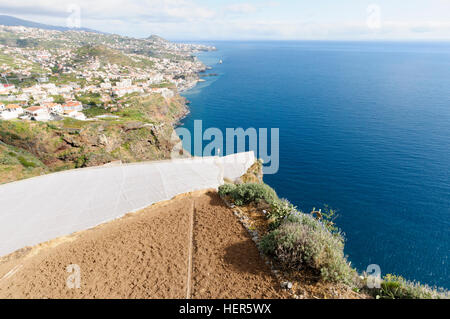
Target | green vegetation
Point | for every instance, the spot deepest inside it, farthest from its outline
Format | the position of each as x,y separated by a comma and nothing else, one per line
16,164
13,64
163,85
95,111
68,143
150,109
81,161
6,102
227,189
132,114
246,193
396,287
67,78
41,148
25,162
110,56
6,59
329,215
279,211
90,99
58,99
303,242
11,39
19,81
73,123
297,241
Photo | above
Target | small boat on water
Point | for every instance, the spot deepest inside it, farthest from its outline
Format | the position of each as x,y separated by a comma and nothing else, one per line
220,61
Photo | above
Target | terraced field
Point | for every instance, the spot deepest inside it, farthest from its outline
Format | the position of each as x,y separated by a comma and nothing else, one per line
190,247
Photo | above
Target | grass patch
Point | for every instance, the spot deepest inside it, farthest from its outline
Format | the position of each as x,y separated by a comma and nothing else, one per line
397,287
92,99
26,163
95,111
73,123
133,114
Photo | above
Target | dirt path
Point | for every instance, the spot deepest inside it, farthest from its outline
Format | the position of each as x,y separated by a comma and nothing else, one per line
226,262
150,254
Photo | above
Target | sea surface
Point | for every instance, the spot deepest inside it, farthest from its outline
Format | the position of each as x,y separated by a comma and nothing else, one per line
364,128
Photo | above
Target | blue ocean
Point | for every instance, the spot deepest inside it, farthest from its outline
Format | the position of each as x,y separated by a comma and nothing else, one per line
364,128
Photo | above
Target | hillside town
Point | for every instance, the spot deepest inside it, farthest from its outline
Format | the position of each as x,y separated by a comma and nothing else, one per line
47,75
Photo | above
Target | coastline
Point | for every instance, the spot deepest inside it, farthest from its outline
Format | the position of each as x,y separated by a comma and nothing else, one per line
201,77
390,252
192,85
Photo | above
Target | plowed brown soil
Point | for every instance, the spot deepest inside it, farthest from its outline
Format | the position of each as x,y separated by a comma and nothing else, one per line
226,262
155,253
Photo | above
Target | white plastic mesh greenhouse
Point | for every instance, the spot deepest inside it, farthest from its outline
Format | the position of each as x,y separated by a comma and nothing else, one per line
39,209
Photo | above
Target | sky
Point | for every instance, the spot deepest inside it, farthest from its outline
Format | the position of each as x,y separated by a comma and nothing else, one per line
247,19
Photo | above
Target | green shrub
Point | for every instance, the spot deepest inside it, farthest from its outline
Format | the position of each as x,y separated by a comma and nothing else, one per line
329,215
8,160
25,162
279,211
304,219
247,193
80,161
396,287
303,242
244,194
52,126
226,189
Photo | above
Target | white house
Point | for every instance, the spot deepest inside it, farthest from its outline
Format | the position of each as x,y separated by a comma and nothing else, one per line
72,105
75,115
53,108
22,97
32,90
65,89
165,92
6,88
11,111
53,91
49,86
124,83
39,113
156,79
41,97
106,85
121,91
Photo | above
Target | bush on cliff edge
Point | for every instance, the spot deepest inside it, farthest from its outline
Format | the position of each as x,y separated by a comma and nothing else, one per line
302,242
244,194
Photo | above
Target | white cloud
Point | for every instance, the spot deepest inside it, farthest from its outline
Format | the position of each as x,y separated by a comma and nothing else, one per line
159,10
241,8
188,19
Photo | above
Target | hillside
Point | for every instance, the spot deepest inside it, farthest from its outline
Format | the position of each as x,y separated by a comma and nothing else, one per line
127,90
16,163
106,55
13,21
143,132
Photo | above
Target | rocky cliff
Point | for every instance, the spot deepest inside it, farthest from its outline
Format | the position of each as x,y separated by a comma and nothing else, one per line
31,148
